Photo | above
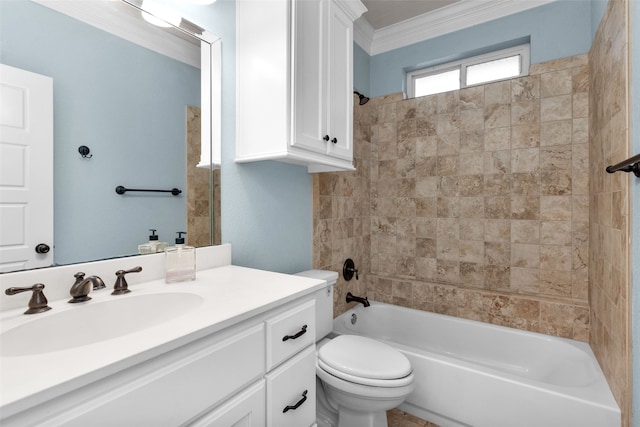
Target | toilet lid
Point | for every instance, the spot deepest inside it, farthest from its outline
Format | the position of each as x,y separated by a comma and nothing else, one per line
362,357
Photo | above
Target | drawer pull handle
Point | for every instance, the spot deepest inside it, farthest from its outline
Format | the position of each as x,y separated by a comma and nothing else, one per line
298,335
297,405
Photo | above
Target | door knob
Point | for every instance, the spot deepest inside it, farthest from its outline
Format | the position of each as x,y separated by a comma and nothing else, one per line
326,137
42,248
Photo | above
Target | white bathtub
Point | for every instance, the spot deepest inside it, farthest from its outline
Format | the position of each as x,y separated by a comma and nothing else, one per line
475,374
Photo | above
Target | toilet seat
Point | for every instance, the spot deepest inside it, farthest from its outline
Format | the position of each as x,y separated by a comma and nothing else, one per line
365,361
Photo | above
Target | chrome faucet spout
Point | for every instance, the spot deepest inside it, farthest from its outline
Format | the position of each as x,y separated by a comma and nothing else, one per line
81,288
364,301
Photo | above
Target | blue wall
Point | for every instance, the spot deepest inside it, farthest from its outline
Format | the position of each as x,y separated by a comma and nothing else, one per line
598,8
556,30
266,206
361,70
136,141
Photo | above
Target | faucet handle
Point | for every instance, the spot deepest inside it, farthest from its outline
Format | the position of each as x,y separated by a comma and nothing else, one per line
37,303
121,286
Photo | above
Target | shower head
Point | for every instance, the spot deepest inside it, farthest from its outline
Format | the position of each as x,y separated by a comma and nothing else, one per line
363,99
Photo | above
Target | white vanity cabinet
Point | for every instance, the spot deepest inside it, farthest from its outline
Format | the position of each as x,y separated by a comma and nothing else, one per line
291,366
244,375
295,82
287,395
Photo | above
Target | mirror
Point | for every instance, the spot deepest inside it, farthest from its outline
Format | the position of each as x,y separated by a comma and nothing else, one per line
144,101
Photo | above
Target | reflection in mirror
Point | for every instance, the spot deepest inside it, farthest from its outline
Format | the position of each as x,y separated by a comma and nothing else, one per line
131,93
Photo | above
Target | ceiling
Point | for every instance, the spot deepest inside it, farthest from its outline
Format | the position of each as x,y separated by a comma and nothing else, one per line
393,24
382,13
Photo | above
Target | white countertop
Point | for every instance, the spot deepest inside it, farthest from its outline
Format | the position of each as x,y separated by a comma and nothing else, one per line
230,294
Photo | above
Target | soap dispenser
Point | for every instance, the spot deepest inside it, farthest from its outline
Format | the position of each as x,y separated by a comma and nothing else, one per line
160,246
152,246
181,261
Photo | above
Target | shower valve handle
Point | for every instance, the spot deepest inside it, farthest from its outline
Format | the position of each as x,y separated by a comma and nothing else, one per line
349,269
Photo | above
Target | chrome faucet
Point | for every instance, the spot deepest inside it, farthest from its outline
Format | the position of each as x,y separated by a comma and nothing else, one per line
81,288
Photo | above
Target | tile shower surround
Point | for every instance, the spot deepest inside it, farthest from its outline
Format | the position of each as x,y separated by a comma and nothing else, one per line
477,203
492,203
609,255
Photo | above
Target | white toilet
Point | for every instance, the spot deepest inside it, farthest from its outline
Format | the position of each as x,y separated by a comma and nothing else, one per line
357,378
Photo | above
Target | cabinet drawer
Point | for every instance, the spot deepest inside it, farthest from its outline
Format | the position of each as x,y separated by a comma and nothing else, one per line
177,385
244,410
290,332
286,387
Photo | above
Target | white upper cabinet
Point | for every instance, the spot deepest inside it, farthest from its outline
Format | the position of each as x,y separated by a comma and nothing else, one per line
295,82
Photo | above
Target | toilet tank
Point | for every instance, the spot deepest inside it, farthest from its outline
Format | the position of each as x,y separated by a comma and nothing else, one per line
324,300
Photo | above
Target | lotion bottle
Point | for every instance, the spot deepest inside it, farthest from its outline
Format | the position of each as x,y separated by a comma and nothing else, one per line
180,261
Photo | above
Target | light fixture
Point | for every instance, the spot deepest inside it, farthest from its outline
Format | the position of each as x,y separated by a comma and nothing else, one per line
363,99
159,15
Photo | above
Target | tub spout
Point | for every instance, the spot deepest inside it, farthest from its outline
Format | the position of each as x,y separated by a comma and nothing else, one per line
364,301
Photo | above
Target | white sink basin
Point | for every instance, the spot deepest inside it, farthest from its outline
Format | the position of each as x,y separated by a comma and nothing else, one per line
93,322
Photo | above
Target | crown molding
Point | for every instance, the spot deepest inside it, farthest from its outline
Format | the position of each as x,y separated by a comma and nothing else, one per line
112,17
363,34
457,16
354,9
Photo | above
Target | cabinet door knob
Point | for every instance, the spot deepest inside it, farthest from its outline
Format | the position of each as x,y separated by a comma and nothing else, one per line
326,137
334,140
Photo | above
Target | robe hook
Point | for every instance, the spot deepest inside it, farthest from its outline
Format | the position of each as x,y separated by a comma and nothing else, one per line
84,152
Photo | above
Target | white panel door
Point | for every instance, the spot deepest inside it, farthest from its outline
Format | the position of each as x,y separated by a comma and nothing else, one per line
26,169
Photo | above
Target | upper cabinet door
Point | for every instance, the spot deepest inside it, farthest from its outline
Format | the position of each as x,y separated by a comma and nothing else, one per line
340,89
310,76
295,82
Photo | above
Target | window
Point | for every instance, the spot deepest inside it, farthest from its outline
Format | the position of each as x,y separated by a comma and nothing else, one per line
490,67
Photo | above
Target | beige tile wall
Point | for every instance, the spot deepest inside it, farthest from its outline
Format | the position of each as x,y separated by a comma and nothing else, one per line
198,184
472,203
340,214
609,283
479,201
